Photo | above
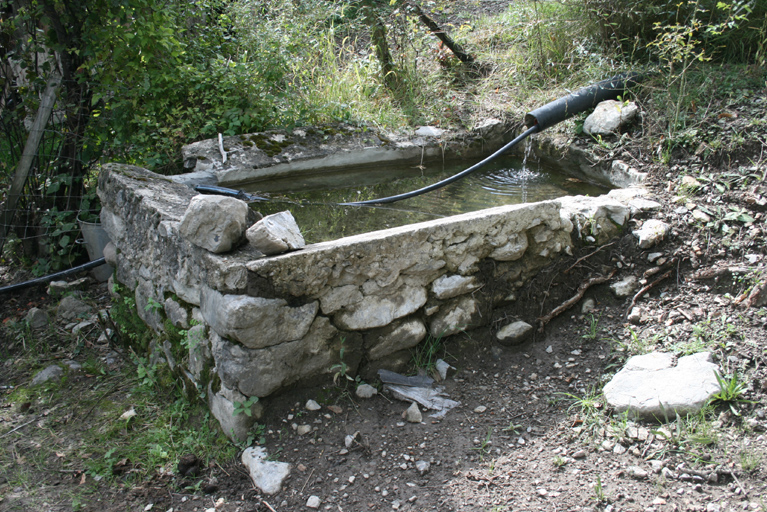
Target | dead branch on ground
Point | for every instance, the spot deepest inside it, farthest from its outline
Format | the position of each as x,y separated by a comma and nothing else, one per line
647,288
435,29
542,321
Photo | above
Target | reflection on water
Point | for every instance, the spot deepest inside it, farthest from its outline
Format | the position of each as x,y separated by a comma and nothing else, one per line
313,200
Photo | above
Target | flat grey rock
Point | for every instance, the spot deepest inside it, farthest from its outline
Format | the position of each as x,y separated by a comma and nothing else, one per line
429,131
71,308
275,234
56,288
37,319
651,233
625,287
222,406
655,386
609,116
447,287
366,391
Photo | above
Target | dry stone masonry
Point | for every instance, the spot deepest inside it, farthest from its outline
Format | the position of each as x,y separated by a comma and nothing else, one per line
259,323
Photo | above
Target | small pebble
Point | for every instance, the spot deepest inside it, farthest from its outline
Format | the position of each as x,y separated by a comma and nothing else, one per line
422,466
366,391
636,473
413,414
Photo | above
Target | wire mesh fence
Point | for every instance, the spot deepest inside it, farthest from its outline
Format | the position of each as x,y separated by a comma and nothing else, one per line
40,213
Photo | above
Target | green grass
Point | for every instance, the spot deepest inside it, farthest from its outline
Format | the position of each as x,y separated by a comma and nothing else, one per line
426,353
731,391
593,328
484,445
154,440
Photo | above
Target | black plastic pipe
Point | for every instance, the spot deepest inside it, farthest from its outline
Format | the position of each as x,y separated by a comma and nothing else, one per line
452,178
580,101
51,277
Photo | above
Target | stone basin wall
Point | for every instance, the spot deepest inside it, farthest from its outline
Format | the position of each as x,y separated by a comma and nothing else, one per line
257,324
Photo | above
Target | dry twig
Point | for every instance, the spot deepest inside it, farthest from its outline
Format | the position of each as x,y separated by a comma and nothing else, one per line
567,271
267,505
19,427
647,288
542,321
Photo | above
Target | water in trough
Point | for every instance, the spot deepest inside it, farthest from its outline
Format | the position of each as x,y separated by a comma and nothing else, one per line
313,200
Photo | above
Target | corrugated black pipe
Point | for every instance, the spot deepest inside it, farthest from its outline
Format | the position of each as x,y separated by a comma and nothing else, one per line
580,101
537,120
51,277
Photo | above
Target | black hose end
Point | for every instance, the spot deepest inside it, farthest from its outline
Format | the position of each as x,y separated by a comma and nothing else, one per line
530,120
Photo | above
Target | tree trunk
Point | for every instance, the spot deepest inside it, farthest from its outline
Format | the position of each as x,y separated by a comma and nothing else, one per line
381,45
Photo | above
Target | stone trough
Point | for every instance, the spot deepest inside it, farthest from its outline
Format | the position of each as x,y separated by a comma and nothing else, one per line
257,324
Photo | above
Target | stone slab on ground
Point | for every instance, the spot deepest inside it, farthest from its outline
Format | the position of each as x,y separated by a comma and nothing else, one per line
655,386
52,372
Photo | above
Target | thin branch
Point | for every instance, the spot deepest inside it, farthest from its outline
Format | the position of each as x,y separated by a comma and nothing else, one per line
647,288
542,321
435,29
18,428
586,257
